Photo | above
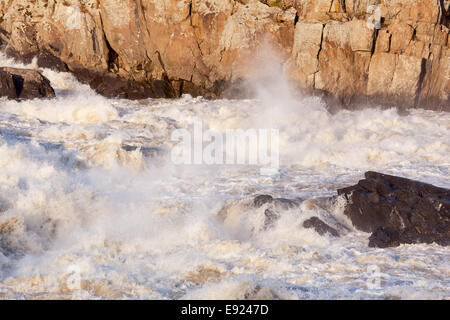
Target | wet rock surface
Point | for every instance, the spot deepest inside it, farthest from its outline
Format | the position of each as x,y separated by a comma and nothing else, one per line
275,208
24,84
270,218
398,210
393,209
280,203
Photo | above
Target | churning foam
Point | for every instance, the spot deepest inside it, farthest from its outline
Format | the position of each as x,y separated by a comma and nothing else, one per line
86,181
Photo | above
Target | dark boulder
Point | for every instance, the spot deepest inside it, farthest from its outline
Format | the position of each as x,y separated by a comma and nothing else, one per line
398,210
28,84
320,227
112,86
270,217
261,200
7,87
384,237
279,203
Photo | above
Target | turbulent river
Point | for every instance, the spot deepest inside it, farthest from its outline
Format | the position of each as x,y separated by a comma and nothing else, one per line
92,206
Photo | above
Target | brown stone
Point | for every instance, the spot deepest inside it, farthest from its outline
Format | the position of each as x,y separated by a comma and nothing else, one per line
383,43
304,61
28,84
401,36
343,72
405,211
209,47
396,77
361,37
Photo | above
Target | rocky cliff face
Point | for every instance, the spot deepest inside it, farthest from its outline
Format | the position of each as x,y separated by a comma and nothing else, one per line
164,48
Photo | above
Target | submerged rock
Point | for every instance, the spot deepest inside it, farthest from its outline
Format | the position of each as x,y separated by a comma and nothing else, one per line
168,48
270,217
320,227
398,210
276,205
24,84
261,200
113,86
279,203
384,237
7,87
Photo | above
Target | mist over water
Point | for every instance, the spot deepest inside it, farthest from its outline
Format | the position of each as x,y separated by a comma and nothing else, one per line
88,181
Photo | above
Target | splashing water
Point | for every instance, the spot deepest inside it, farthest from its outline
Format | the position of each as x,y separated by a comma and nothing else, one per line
88,182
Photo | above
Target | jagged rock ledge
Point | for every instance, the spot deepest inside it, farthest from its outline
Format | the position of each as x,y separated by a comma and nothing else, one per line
137,49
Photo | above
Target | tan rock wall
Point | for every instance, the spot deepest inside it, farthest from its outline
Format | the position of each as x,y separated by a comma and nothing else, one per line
202,46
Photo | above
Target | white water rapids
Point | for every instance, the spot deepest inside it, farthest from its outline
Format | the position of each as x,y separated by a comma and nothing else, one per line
87,184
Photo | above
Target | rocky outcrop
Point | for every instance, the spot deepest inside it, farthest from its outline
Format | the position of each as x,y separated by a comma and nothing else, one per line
7,86
394,65
164,48
398,210
24,84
